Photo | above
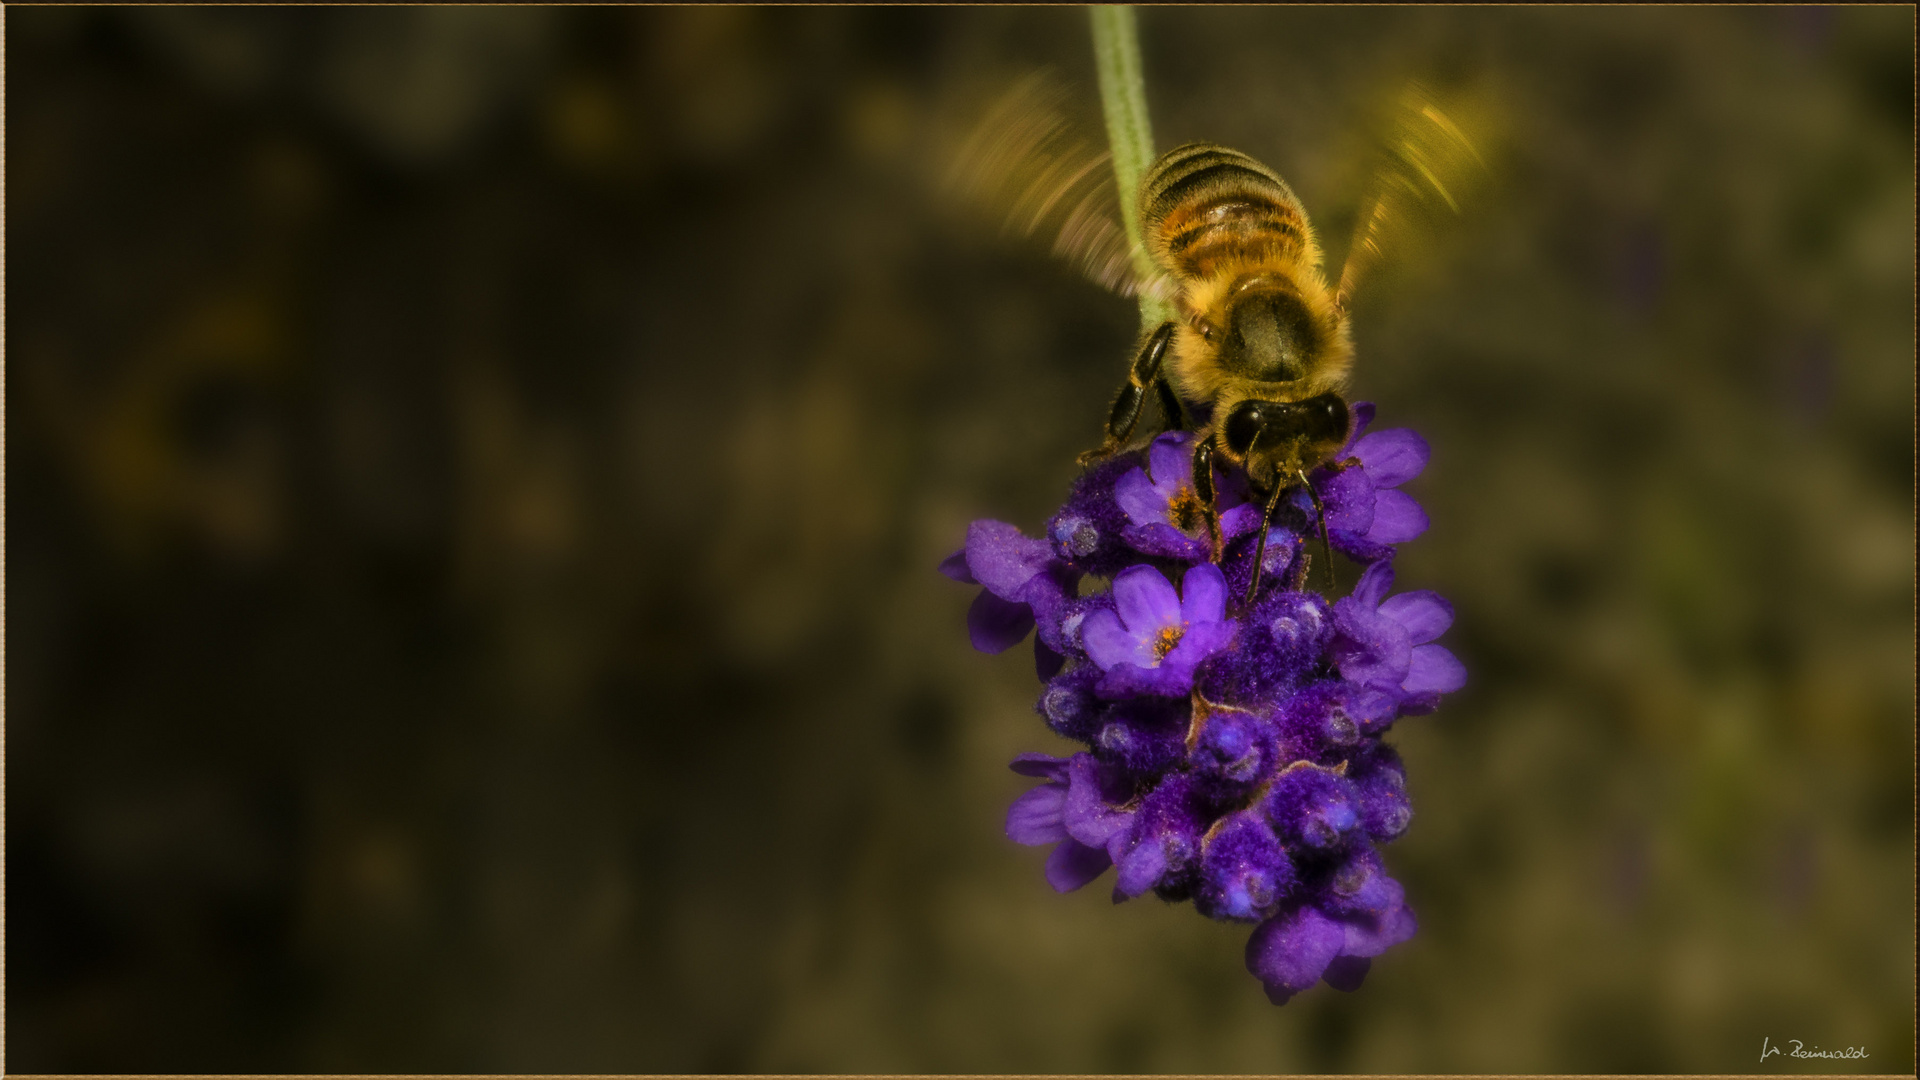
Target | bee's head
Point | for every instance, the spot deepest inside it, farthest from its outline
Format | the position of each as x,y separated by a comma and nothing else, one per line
1273,440
1267,331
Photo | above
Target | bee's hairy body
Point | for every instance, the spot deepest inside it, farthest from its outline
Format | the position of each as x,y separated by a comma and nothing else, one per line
1259,331
1221,222
1254,360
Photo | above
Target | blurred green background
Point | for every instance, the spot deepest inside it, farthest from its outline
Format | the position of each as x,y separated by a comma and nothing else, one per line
474,478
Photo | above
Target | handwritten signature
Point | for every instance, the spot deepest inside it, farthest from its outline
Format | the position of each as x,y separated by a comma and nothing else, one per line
1800,1051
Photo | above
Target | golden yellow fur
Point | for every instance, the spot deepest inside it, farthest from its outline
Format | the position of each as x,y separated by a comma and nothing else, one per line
1198,378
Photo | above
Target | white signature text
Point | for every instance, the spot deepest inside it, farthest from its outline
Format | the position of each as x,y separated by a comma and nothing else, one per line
1800,1051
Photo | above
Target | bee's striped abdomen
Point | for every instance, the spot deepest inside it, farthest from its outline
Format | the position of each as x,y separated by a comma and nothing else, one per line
1204,206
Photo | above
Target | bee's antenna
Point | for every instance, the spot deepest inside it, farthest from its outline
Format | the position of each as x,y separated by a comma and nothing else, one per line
1320,511
1260,556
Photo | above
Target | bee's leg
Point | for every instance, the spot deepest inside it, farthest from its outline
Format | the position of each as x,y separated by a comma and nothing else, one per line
1174,413
1144,373
1260,555
1320,512
1203,487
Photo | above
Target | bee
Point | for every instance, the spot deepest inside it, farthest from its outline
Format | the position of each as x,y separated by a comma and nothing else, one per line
1255,358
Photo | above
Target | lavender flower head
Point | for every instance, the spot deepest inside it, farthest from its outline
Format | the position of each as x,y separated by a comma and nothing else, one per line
1234,752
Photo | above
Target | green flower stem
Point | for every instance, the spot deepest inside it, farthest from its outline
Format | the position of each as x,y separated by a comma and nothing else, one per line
1123,98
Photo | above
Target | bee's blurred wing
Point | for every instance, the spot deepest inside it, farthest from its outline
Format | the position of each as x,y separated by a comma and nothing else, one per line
1431,167
1025,165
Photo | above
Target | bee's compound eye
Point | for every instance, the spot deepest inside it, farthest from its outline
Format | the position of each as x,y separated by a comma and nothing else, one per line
1243,426
1330,416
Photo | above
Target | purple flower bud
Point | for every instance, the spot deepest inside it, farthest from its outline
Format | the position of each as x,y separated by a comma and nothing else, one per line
1068,705
1313,808
1297,623
1283,639
1073,536
1290,951
1381,783
1161,848
1283,548
1234,754
1366,904
1144,736
1318,722
1244,874
1086,531
1061,615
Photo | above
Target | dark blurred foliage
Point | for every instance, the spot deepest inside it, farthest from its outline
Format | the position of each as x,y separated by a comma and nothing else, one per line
475,477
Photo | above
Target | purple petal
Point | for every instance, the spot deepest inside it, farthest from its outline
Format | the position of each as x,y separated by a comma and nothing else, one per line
1146,601
1412,704
1240,520
1371,708
1393,457
955,567
1423,612
996,625
1362,890
1051,594
1374,585
1073,864
1136,497
1132,680
1074,618
1346,973
1358,548
1348,495
1035,817
1229,487
1290,952
1392,928
1004,560
1361,413
1432,669
1369,648
1396,518
1086,815
1043,765
1140,869
1171,462
1059,609
1199,642
1206,595
1161,538
1108,644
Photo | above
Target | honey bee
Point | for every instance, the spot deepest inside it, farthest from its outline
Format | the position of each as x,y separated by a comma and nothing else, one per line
1255,357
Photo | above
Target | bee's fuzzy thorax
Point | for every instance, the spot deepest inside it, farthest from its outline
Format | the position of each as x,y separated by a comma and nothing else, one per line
1199,378
1216,219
